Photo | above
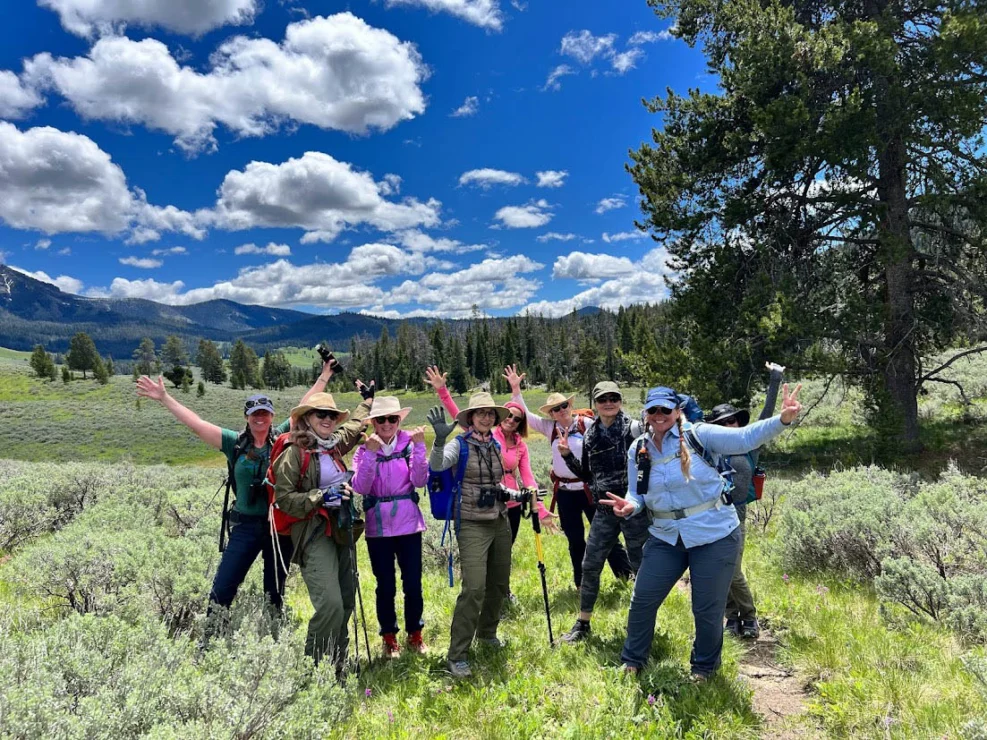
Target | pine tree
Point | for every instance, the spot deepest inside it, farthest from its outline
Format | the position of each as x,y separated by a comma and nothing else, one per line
66,374
82,353
210,362
244,364
458,380
200,390
41,362
100,372
146,358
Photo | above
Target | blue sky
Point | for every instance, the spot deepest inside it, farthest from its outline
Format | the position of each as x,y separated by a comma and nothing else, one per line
400,157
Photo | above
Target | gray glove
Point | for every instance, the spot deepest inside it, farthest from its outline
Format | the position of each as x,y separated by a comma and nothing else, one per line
436,416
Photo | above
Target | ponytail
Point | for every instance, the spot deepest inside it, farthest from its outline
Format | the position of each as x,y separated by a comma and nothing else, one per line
685,460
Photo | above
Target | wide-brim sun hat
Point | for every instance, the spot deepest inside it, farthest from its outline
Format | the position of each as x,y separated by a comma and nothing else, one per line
387,406
319,402
478,401
728,411
553,400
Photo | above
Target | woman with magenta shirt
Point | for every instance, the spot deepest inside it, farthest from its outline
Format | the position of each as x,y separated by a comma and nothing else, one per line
389,466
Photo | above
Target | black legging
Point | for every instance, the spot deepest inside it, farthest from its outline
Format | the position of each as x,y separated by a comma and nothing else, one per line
572,505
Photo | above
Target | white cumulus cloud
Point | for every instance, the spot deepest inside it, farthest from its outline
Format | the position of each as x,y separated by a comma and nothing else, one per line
487,177
469,108
276,250
551,178
64,283
649,37
529,216
623,236
43,244
555,236
482,13
192,17
418,241
168,252
584,46
584,266
334,73
144,263
643,283
313,192
59,182
16,99
610,204
552,82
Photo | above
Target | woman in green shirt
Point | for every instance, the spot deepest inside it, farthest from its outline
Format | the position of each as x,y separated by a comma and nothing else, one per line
248,455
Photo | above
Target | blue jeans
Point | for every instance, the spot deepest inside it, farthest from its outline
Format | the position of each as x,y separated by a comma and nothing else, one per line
407,550
248,538
710,569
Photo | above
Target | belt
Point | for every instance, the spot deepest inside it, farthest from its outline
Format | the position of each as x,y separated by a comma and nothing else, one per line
677,514
235,517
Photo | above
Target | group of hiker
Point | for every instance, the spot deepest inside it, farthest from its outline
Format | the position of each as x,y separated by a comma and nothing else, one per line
675,486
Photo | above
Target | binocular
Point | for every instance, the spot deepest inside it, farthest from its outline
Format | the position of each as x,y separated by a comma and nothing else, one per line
327,356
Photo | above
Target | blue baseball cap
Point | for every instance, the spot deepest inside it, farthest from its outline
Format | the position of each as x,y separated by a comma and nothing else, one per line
260,402
662,396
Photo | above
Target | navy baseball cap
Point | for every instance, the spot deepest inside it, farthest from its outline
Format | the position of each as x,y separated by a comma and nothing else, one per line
664,397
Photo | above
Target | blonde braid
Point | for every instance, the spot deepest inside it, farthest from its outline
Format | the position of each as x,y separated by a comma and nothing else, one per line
685,459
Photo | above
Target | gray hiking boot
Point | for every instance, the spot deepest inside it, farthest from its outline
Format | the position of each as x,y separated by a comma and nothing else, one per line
494,642
733,625
750,629
580,631
460,669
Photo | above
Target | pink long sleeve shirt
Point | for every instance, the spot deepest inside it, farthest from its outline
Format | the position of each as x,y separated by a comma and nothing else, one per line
517,464
391,478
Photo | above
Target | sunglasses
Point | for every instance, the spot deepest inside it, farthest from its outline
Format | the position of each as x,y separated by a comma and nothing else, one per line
664,411
609,398
326,414
560,407
257,402
513,418
386,419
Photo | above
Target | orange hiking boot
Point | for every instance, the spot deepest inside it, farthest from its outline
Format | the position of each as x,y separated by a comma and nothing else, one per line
416,644
391,648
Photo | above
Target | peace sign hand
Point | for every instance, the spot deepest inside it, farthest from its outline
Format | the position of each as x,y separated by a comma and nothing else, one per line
621,506
564,443
790,406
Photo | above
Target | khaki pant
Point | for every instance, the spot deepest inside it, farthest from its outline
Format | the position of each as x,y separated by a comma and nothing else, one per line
740,600
328,573
485,561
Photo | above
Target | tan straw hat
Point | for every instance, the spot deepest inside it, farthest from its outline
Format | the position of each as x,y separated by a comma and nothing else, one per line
482,400
387,406
553,400
319,401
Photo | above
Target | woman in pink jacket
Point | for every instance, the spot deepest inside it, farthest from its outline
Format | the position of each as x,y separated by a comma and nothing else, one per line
389,466
510,434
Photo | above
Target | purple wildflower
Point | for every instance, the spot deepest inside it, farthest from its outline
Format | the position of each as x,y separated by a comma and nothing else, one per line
784,577
651,700
368,693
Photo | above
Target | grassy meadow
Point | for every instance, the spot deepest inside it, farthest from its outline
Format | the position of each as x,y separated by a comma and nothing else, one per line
835,660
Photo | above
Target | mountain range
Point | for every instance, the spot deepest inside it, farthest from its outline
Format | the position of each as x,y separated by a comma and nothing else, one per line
35,312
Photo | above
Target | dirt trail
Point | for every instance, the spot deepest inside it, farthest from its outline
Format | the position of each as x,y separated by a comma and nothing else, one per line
779,696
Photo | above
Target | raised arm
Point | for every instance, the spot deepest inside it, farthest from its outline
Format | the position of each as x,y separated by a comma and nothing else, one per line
737,441
350,432
513,378
209,433
443,456
320,383
579,468
774,383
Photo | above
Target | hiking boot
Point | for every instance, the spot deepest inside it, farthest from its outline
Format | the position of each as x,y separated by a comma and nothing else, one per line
391,648
495,642
416,644
580,631
733,625
698,679
749,629
460,669
630,670
511,598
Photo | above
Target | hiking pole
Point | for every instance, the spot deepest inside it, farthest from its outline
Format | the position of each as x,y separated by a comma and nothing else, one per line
530,510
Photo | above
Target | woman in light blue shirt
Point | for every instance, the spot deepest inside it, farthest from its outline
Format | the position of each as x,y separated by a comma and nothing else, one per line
691,525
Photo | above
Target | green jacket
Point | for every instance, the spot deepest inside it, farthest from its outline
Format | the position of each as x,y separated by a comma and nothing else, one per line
300,496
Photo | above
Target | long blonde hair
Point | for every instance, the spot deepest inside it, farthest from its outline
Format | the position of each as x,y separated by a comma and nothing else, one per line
685,459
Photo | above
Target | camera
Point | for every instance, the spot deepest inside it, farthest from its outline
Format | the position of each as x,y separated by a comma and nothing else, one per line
490,495
258,492
327,356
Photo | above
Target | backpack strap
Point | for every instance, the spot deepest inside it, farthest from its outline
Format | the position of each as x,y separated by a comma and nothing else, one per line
643,459
721,465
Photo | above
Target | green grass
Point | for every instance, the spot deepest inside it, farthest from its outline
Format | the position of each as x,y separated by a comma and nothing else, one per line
870,671
13,355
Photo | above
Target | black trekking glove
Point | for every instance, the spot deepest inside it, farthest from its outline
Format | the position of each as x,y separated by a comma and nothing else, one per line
436,416
366,391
